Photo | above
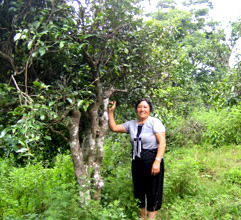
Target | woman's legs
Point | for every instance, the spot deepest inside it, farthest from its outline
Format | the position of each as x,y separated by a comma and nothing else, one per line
142,179
143,213
151,215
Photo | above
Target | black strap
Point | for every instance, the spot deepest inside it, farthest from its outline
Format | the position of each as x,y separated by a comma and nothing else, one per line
139,130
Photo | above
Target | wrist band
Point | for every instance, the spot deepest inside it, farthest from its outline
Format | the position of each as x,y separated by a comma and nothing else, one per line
158,159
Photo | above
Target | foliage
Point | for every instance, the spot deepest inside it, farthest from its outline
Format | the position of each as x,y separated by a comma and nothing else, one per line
215,128
34,91
195,180
233,176
180,131
223,127
63,60
55,60
36,192
182,178
207,50
116,171
204,180
25,190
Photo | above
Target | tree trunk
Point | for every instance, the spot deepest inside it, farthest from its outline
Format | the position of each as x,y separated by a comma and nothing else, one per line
80,169
95,155
99,125
103,124
91,146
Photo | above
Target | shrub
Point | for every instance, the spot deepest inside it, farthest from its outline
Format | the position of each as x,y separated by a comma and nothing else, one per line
181,178
116,171
224,128
185,132
233,175
25,190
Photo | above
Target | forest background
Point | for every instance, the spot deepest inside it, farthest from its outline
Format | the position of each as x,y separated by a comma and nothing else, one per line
60,67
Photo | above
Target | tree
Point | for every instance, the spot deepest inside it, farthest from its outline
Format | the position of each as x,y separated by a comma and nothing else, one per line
62,67
204,44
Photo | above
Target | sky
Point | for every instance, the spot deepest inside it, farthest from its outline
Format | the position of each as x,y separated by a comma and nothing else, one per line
224,10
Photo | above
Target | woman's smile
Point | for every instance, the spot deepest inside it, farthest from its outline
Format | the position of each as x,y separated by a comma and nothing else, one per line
143,110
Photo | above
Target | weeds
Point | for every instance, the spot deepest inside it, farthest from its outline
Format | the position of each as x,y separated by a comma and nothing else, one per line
201,181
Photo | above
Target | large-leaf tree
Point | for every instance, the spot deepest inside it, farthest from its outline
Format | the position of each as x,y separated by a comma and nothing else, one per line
59,67
207,50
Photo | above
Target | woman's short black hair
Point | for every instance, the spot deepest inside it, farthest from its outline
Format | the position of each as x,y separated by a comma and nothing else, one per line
146,100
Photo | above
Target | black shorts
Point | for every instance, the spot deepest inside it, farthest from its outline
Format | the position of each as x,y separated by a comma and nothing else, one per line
146,185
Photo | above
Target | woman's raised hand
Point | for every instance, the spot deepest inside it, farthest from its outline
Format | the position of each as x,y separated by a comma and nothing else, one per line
112,106
113,126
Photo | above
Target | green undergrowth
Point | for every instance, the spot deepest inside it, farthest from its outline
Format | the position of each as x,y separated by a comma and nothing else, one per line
202,127
200,183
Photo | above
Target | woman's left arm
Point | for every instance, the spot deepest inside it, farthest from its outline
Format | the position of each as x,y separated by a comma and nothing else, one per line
160,136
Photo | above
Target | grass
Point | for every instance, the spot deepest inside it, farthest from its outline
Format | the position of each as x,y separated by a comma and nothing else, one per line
202,183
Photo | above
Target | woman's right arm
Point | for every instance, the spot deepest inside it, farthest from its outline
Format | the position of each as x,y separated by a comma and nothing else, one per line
113,126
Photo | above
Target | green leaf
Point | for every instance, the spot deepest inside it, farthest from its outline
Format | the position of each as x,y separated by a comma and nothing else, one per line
44,32
36,83
75,22
18,109
35,53
47,137
37,24
22,150
51,103
80,103
22,142
70,101
42,117
87,103
3,133
17,36
61,44
30,43
82,45
42,51
85,108
89,35
52,26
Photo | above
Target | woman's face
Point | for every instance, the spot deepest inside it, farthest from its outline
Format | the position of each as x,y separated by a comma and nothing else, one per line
143,110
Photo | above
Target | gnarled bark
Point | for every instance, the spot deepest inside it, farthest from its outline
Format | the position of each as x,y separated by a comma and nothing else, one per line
80,168
103,124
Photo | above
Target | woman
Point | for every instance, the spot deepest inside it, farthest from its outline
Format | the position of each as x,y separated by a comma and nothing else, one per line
147,136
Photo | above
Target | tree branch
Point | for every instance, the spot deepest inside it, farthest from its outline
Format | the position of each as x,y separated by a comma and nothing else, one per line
19,15
28,64
59,133
89,59
52,11
116,29
120,90
5,56
64,115
25,96
4,29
